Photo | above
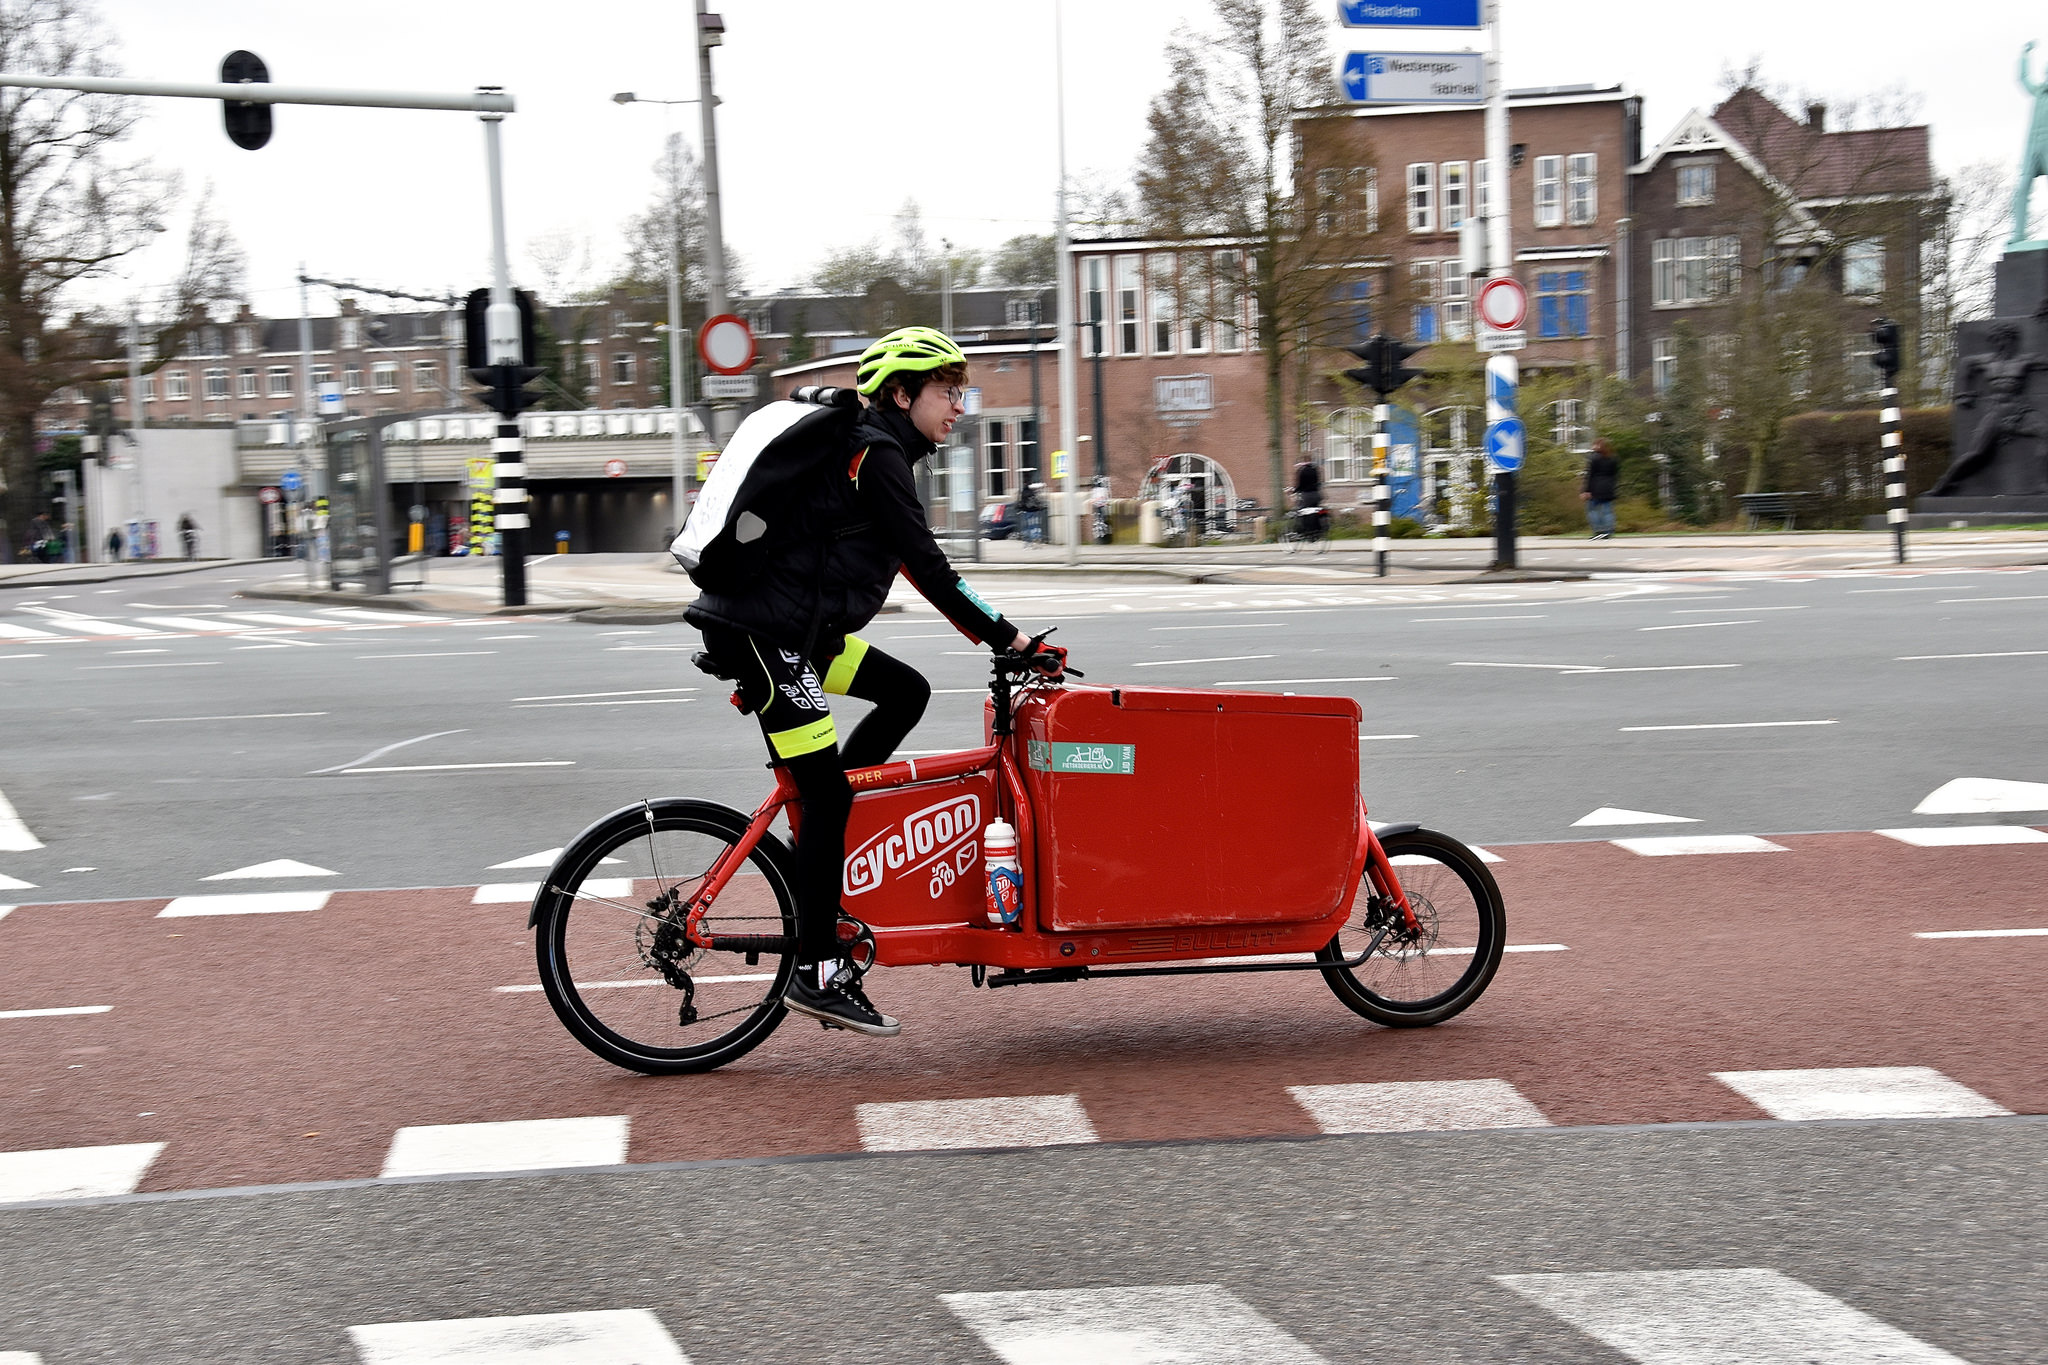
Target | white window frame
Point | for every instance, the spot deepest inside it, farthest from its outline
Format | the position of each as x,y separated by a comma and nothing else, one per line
245,338
177,384
322,374
1548,200
1454,185
1094,302
1454,295
1230,296
1863,255
1697,171
216,382
384,376
1482,182
1365,195
1199,295
279,378
1421,200
426,376
623,368
1582,189
352,379
246,384
1329,203
350,336
1162,319
1663,364
1127,323
1691,270
1424,280
149,388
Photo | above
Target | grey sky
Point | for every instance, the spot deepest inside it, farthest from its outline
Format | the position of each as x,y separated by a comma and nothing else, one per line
834,113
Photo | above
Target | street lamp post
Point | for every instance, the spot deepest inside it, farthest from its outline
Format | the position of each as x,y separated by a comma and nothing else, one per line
680,476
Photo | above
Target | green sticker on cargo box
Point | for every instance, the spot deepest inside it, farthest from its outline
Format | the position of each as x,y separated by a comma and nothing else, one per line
1083,758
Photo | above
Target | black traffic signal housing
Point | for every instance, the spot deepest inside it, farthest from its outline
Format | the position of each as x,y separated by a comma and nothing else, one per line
248,124
1884,338
1385,368
506,383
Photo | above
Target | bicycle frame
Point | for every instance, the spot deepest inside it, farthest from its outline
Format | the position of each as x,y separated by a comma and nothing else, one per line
948,842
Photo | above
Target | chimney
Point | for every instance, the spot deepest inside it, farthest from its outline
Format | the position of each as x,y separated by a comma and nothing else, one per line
1817,116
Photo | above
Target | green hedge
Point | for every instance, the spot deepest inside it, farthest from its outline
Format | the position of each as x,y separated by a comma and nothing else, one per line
1824,453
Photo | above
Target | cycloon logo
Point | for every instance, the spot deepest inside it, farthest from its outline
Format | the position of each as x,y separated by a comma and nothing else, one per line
940,836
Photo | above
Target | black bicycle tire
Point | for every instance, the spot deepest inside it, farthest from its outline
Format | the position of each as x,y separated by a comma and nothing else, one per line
554,901
1486,956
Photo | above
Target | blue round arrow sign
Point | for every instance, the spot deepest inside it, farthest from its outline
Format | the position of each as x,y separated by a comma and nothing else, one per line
1506,441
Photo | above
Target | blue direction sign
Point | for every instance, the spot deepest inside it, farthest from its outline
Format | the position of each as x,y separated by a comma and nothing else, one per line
1506,442
1411,13
289,481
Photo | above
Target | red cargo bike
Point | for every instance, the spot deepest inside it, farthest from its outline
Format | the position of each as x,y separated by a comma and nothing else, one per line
1161,831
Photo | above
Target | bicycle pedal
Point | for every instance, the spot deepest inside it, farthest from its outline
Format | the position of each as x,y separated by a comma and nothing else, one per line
828,1025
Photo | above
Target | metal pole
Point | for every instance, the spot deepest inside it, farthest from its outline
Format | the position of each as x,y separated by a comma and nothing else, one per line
501,329
1101,454
945,286
1381,519
723,414
487,99
679,475
1500,261
307,410
1894,468
1068,335
1037,407
134,431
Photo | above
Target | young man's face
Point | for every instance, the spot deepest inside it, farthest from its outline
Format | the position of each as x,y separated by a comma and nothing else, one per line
936,408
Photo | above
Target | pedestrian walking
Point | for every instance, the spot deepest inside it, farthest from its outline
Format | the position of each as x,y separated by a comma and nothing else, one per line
114,544
188,534
1602,479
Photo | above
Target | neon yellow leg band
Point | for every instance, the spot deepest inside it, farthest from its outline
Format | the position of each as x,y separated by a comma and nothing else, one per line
839,676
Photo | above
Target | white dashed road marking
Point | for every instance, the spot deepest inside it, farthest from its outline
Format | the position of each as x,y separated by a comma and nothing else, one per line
1417,1106
1961,836
276,867
518,1145
74,1172
1859,1092
1677,845
620,1336
1186,1324
1006,1121
1983,796
1614,815
259,903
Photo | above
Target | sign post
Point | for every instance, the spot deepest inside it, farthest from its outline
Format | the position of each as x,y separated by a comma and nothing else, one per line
1505,442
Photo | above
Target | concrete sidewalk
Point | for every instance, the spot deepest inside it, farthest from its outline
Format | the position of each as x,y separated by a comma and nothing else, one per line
650,586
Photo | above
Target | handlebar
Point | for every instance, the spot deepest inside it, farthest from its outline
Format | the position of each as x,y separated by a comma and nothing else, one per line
1019,662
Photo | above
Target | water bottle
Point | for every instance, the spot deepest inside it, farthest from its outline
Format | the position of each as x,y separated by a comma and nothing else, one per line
1005,877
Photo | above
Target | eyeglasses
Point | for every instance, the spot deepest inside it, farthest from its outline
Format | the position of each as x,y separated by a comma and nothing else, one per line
955,395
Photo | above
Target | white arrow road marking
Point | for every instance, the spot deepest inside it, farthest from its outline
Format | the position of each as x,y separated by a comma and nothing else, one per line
1983,796
276,867
1615,815
14,835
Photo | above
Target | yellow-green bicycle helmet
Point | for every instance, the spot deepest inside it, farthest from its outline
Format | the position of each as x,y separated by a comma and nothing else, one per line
907,350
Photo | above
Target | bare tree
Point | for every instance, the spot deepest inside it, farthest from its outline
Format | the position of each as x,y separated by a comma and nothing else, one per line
673,221
71,213
1219,159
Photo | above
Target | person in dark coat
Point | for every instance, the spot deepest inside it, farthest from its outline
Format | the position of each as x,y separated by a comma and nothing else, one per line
1603,478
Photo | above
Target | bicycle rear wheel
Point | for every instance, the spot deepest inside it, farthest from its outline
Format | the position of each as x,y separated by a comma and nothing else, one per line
613,959
1425,977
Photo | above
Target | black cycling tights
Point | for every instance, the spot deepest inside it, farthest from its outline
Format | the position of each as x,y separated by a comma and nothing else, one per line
789,700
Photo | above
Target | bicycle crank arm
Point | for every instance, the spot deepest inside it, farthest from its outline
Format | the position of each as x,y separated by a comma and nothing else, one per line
751,943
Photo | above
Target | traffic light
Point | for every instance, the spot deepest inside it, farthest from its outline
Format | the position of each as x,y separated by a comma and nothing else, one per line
248,124
507,383
1385,368
1884,337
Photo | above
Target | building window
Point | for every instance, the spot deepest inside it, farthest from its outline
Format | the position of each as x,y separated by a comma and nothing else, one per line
280,381
426,376
384,376
1686,270
352,379
1422,196
1022,312
1329,199
245,338
622,367
1456,296
1201,303
1127,305
217,382
1549,191
177,384
1229,300
1357,297
1570,430
1159,278
149,388
245,383
1695,183
1094,303
1422,279
1663,364
1582,191
1563,303
322,375
1365,199
351,333
1482,177
1454,181
1863,267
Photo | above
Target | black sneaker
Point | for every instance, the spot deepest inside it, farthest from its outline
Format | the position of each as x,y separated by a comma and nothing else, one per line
839,1004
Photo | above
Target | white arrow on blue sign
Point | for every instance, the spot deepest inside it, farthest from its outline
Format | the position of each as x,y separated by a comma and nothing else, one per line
1506,441
1411,13
289,481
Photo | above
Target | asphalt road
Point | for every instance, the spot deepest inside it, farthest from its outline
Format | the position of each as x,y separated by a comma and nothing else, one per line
398,751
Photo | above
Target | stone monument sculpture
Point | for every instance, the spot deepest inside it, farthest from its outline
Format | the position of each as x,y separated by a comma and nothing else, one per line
1999,424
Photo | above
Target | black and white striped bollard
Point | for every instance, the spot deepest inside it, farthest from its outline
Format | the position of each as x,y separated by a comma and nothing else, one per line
1381,518
1894,471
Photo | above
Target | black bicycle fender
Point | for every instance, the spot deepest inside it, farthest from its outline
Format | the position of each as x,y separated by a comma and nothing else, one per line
1385,832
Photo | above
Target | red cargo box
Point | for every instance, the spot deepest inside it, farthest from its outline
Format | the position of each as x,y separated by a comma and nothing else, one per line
1161,806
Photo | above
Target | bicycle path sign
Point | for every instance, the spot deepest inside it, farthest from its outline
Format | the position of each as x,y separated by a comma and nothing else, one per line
1506,442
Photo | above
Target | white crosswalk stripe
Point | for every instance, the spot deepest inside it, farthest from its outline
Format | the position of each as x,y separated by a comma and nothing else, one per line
1859,1092
1187,1324
1002,1121
74,1172
1417,1106
514,1145
1727,1317
606,1337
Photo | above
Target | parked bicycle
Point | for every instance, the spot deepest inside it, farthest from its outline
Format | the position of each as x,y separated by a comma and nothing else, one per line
1160,832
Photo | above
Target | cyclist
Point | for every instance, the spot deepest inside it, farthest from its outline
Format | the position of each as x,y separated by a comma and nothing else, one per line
788,640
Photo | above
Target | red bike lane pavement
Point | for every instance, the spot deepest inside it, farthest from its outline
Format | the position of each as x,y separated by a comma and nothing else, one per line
291,1047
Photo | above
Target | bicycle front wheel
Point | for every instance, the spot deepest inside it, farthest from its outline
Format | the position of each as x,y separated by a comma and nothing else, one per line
613,958
1426,975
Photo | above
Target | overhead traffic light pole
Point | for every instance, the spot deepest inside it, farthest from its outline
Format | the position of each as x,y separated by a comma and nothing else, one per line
244,92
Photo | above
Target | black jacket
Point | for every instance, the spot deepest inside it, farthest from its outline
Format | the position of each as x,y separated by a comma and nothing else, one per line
1603,477
860,523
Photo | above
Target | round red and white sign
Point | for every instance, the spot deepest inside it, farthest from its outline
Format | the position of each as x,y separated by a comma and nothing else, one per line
1503,303
615,469
727,344
268,495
